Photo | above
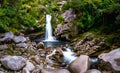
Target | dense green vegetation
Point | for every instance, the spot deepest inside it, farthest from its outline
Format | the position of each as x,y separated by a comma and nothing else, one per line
96,13
91,14
14,14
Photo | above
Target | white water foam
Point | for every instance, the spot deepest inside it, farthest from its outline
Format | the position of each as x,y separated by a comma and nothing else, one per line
69,56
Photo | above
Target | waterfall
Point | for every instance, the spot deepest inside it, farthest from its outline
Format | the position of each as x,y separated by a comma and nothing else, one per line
48,33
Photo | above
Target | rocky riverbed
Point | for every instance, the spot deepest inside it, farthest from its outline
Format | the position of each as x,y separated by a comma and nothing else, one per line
19,54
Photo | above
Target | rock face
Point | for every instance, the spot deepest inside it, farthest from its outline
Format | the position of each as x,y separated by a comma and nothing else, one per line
80,65
66,31
93,71
113,58
68,15
54,71
13,62
89,45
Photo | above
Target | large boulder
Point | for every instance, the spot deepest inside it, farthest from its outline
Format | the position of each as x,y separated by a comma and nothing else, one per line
80,65
54,71
66,31
13,62
113,58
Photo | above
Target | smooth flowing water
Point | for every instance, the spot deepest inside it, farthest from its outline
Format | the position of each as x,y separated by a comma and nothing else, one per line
49,39
69,56
48,34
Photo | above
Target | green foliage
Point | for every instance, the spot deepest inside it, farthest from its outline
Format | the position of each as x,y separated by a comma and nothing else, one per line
93,13
17,13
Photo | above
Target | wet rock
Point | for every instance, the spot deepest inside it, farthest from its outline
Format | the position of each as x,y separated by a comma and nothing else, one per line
93,71
66,31
18,39
29,66
13,62
40,45
80,65
68,15
113,58
54,71
7,37
22,45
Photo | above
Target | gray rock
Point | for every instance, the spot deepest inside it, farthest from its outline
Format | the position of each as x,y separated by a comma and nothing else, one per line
29,66
22,45
25,70
68,15
112,58
1,72
7,37
18,39
54,71
66,31
93,71
80,65
13,62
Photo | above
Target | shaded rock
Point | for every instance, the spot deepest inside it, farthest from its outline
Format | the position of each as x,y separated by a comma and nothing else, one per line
80,65
29,66
54,71
22,45
113,58
93,71
3,47
7,37
13,62
18,39
68,15
66,31
40,45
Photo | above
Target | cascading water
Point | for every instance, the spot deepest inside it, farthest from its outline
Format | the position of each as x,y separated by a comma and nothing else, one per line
69,56
49,39
48,33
